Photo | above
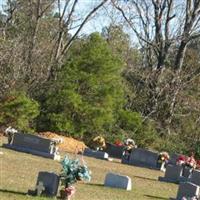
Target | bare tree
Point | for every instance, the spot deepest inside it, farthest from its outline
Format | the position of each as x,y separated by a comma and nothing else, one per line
190,30
150,14
65,24
164,28
40,33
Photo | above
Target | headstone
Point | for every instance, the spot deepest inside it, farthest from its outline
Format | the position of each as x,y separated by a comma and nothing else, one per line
114,150
33,144
125,158
95,154
118,181
188,190
173,158
187,171
195,178
143,158
50,183
40,188
173,174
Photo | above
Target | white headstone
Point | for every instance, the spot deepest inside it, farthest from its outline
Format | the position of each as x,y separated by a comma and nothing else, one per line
118,181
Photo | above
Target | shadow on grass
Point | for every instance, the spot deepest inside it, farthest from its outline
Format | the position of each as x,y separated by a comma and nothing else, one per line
95,184
13,192
150,179
156,197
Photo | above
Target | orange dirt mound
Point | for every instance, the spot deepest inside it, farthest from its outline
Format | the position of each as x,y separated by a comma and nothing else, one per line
69,144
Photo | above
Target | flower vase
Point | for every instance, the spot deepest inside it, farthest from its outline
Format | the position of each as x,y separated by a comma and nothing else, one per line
67,193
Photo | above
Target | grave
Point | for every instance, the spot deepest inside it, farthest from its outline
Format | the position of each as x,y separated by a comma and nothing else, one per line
118,181
34,144
95,154
114,150
173,174
47,183
39,188
187,172
188,190
173,158
195,178
143,158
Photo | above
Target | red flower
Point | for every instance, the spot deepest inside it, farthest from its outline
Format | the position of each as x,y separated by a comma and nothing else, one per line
118,143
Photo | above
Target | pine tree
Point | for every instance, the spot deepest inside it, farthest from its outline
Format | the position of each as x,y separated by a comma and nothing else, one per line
88,92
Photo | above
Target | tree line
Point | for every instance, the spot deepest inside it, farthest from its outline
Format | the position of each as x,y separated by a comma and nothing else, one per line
138,77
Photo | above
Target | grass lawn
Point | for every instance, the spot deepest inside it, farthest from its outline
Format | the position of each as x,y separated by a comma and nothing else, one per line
18,173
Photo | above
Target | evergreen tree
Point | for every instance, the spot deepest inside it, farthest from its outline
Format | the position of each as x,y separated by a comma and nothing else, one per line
88,92
19,111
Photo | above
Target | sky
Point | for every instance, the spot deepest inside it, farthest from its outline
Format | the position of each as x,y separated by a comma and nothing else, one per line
83,7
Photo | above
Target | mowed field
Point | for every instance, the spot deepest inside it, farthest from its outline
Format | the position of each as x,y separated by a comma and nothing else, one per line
18,173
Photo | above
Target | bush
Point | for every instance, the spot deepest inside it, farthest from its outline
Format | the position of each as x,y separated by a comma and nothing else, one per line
171,143
18,110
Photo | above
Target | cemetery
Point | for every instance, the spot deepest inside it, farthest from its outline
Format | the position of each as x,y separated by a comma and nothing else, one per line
99,99
40,177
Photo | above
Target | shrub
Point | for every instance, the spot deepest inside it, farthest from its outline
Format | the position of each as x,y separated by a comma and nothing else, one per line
18,110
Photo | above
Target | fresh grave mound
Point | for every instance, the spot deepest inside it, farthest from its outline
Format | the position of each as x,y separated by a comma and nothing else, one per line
68,144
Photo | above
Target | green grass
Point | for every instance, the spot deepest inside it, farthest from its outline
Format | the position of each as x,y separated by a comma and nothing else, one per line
19,173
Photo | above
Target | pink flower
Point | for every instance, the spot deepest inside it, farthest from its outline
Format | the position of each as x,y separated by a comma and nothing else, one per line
70,191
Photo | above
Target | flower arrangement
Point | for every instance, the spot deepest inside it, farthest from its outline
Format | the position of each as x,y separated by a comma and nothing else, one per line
162,161
72,171
118,143
187,161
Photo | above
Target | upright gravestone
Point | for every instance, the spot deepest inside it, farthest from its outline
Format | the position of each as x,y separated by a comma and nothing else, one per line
95,154
173,174
195,178
173,158
33,144
118,181
188,190
143,158
49,182
187,171
114,150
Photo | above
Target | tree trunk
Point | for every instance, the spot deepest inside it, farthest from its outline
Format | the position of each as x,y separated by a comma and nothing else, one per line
180,55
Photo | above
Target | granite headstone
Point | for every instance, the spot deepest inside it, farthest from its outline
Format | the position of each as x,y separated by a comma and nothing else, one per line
187,190
118,181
